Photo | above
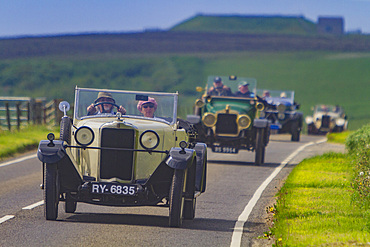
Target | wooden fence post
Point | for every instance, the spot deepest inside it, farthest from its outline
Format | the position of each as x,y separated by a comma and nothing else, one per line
18,115
8,116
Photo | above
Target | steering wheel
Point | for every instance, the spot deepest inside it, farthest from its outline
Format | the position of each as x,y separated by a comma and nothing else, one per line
110,103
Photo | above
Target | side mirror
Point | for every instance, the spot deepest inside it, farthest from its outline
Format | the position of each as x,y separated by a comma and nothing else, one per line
64,107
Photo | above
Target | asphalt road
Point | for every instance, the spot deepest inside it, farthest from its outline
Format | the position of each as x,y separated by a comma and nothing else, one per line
232,182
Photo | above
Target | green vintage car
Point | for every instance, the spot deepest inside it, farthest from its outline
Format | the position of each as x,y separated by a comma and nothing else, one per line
228,122
114,154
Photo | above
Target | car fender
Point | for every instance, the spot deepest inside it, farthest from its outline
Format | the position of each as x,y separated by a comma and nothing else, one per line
50,152
180,158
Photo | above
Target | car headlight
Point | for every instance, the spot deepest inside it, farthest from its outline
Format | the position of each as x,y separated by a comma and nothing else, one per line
281,115
149,139
84,136
209,119
309,120
340,121
244,121
199,103
281,108
260,106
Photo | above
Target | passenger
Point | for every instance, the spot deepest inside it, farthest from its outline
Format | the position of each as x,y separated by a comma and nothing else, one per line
266,94
219,89
147,108
97,109
244,90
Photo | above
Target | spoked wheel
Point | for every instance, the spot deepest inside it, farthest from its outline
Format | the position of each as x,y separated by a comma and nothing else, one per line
260,147
176,198
51,191
70,204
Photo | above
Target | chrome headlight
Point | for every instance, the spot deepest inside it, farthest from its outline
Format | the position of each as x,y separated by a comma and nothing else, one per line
281,108
84,136
209,119
244,121
281,115
309,120
149,139
340,121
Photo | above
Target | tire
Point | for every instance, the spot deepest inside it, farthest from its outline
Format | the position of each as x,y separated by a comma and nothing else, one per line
260,147
190,201
176,198
51,191
70,205
295,132
65,129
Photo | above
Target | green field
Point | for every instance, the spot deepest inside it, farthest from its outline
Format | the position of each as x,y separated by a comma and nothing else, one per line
317,77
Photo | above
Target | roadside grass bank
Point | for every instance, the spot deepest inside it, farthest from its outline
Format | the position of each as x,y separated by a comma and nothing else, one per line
325,201
26,139
315,206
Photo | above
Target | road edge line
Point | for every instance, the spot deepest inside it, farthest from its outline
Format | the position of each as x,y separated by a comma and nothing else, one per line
5,218
243,217
34,205
18,160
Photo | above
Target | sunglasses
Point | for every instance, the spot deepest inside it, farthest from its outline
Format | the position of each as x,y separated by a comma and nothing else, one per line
146,106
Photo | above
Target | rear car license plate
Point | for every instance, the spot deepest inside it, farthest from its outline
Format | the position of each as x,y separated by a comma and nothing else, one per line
228,150
114,189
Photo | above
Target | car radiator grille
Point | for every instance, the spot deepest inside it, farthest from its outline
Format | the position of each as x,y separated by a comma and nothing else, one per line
226,124
325,122
116,163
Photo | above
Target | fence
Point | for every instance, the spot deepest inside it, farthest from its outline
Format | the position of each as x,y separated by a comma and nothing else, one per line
21,111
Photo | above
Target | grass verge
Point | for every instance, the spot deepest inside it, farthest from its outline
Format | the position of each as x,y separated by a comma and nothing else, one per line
314,207
340,137
27,138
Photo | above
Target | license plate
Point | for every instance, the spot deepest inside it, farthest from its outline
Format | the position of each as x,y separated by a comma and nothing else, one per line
228,150
114,189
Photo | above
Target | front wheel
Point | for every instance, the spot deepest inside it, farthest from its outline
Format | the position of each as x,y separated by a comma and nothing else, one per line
295,132
260,147
51,191
176,198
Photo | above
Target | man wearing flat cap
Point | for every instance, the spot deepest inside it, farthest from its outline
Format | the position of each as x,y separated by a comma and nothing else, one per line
244,90
219,89
104,103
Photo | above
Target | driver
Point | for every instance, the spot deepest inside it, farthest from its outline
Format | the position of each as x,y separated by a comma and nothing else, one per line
96,108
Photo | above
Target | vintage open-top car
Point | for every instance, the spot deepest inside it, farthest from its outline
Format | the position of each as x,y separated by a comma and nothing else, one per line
281,110
228,123
113,153
326,118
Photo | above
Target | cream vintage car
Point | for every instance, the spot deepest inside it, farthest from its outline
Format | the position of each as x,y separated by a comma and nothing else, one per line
325,119
116,158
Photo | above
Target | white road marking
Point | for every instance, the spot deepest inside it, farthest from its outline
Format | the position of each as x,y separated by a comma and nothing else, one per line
5,218
18,160
34,205
239,225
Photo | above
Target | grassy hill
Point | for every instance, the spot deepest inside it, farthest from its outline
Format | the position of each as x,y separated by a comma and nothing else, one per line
297,25
321,69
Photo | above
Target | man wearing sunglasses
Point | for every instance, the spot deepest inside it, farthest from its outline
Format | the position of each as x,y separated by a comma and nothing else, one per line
104,103
147,108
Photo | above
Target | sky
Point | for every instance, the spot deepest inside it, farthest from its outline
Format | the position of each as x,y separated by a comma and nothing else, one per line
52,17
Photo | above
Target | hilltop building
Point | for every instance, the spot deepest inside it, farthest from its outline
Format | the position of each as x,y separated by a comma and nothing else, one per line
330,25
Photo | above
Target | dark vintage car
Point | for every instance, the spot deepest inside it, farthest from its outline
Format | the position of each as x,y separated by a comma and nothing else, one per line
114,158
326,118
231,123
281,110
